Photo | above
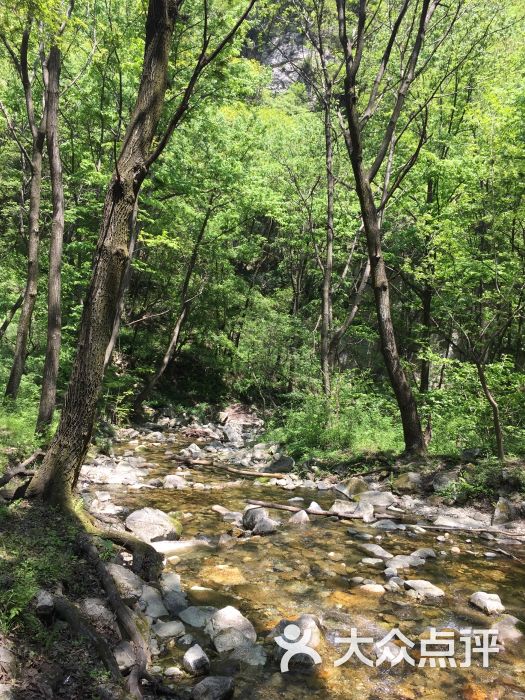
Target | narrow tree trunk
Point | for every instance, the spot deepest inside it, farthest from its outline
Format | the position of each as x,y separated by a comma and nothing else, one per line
185,307
498,431
424,385
413,435
31,288
326,306
61,465
10,315
54,310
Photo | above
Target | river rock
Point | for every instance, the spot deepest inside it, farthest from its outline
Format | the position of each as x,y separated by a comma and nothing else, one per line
405,561
282,464
508,631
307,624
352,486
372,588
407,482
376,551
197,615
128,584
315,507
299,518
343,508
229,629
214,688
174,598
380,499
125,656
424,589
490,603
504,511
170,548
424,553
195,661
251,515
265,526
388,525
151,602
460,521
168,630
250,654
174,481
365,511
153,525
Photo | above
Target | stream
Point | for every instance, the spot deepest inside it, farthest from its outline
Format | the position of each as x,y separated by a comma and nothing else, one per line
307,570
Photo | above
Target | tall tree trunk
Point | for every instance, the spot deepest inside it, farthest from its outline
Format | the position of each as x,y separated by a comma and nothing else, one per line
426,296
61,464
31,288
498,431
326,306
54,310
185,307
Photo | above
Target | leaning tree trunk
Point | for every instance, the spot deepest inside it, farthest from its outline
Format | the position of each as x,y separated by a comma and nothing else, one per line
61,464
54,311
326,306
10,315
496,420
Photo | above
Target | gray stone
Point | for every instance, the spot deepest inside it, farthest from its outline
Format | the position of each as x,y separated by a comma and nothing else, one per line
195,661
197,615
97,611
462,521
490,603
381,499
504,512
151,602
299,518
44,603
508,631
424,553
376,550
229,620
405,561
170,548
250,654
372,588
371,561
352,486
282,464
265,526
7,662
343,508
125,656
174,481
424,589
214,688
315,507
153,525
306,623
128,584
251,515
168,630
406,482
388,525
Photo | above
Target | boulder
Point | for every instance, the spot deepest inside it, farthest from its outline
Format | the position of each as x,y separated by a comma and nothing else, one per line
229,629
7,662
251,515
128,584
305,623
407,482
151,603
169,630
380,499
388,525
424,589
375,550
44,604
250,654
343,508
282,464
265,526
504,512
460,521
490,603
153,525
214,688
195,661
197,615
365,511
351,486
315,507
299,518
174,481
424,553
125,656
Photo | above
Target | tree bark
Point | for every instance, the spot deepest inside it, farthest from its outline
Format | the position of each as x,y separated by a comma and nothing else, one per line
61,465
426,295
54,307
495,410
326,306
10,315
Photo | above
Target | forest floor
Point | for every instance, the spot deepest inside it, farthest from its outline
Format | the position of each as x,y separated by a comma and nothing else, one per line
325,572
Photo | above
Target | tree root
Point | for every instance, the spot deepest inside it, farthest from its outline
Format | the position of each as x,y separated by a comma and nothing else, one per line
82,628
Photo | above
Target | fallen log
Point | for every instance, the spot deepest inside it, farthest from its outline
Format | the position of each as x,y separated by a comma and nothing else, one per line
232,470
20,469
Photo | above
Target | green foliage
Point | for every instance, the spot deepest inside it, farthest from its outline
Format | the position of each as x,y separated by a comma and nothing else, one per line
480,480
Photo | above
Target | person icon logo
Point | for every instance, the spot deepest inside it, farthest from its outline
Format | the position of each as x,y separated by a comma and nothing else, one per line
295,644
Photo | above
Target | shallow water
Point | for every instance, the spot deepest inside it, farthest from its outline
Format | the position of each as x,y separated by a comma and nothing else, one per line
307,570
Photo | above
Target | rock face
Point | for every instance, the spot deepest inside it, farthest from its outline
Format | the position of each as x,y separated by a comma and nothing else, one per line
424,589
195,661
129,585
152,525
214,688
490,603
229,629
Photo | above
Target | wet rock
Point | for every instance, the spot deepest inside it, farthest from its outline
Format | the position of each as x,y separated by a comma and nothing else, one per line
153,525
508,631
424,589
424,553
299,518
315,507
250,654
229,629
251,515
169,548
376,550
197,615
128,584
461,521
381,499
44,604
490,603
265,526
372,588
193,451
168,630
343,508
125,656
195,661
174,481
388,525
151,602
371,561
404,561
282,464
214,688
358,535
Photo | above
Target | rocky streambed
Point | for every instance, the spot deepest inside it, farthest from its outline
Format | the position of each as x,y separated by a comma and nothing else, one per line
237,575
